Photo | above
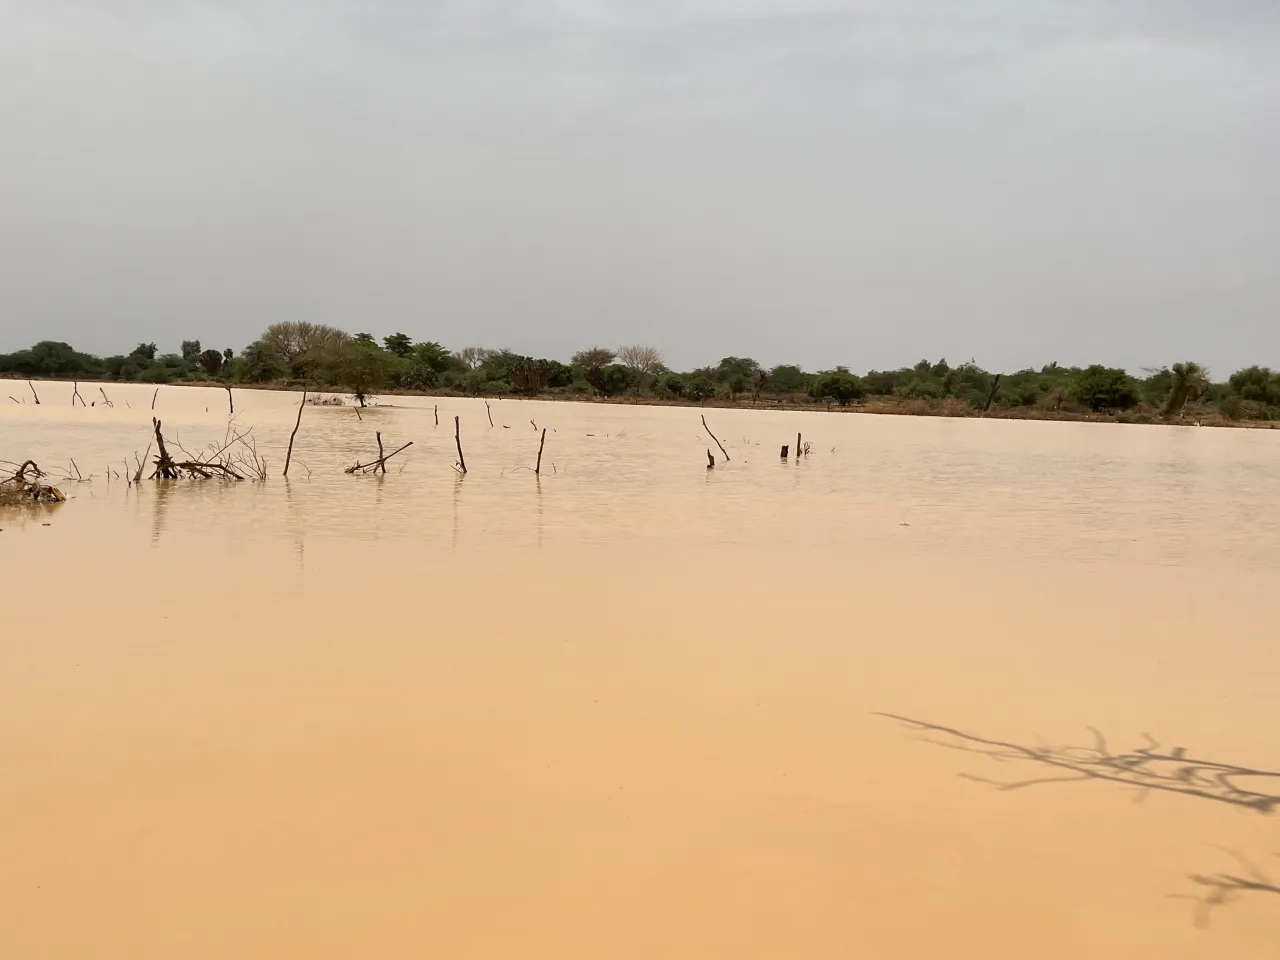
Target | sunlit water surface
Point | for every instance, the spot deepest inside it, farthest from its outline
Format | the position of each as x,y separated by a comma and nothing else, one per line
629,709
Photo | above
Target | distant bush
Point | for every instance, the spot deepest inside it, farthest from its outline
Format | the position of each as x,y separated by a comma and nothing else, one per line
1105,388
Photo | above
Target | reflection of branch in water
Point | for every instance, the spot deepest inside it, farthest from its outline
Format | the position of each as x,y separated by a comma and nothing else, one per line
1225,887
1146,768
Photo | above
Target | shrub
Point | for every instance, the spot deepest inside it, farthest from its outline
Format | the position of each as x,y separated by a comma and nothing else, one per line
1105,388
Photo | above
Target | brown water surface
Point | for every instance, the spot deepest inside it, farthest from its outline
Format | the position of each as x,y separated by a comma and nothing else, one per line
631,709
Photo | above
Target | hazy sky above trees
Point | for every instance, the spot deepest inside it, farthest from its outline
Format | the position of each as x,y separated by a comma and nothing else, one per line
861,182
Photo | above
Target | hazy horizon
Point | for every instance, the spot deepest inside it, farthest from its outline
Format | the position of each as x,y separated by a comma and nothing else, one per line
860,183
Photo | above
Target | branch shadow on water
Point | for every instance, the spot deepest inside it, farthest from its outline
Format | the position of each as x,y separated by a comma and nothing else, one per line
1222,888
1144,769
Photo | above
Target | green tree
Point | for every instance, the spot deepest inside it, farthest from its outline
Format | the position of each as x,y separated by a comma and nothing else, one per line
1256,384
839,385
882,383
1156,386
529,375
291,341
787,378
741,370
1190,381
212,362
425,365
401,344
359,365
561,376
611,379
701,388
191,350
1105,388
53,358
156,373
259,364
433,355
593,358
144,351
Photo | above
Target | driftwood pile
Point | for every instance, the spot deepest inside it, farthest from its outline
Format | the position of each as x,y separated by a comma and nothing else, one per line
25,487
236,458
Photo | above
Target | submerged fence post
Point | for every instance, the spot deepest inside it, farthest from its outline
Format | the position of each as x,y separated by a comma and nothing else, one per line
457,436
289,454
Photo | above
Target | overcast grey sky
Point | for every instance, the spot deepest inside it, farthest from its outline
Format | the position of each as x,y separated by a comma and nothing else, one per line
862,182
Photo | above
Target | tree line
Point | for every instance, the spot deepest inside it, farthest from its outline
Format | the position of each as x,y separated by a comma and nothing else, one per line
318,355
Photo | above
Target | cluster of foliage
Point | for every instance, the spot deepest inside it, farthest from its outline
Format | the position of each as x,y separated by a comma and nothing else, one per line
316,354
52,359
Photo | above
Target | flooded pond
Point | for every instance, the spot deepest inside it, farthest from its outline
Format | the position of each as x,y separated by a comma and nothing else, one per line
636,708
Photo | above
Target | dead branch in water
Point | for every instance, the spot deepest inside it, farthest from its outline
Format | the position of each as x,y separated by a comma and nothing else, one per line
241,464
799,450
15,399
79,477
380,463
436,409
153,398
457,436
711,461
25,487
137,477
75,395
231,403
165,468
713,437
289,453
33,393
105,398
537,471
489,412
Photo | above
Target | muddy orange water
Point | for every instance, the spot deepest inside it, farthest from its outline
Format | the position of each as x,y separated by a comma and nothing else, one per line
632,709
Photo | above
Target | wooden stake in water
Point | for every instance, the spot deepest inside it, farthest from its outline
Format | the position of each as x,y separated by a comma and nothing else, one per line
713,437
289,454
457,436
537,471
